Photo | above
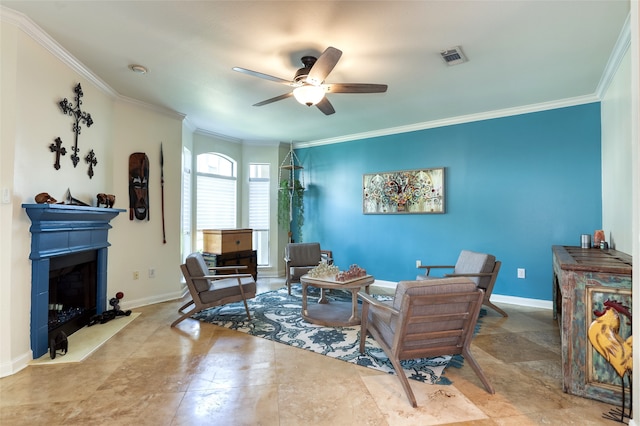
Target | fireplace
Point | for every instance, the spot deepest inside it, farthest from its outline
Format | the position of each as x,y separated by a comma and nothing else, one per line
68,260
72,292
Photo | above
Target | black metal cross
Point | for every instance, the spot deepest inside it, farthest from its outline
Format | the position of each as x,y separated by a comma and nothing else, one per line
59,150
68,108
91,159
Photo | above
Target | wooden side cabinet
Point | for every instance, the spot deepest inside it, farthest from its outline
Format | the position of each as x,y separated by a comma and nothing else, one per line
583,279
248,258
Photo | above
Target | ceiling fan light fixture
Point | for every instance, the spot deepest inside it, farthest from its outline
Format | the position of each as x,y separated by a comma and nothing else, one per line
309,95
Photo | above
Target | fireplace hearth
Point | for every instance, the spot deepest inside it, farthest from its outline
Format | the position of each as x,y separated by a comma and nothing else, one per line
68,268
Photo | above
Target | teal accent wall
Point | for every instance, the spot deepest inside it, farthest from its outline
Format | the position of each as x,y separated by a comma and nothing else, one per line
514,187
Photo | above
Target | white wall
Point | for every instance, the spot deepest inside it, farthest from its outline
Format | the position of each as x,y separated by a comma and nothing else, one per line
617,159
33,81
621,165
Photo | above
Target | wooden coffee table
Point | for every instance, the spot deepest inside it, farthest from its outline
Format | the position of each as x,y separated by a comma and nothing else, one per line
334,313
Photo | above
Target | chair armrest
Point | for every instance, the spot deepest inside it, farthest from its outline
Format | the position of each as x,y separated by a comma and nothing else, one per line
222,277
430,267
367,298
227,268
326,255
471,274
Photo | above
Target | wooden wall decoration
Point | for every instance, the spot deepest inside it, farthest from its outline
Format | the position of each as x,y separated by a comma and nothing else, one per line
138,186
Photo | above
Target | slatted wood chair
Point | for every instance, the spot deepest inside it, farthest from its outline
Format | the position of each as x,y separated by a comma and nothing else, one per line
208,289
482,268
426,318
300,258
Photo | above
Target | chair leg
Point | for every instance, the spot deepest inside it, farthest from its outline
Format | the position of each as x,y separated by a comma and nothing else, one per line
404,381
495,308
246,307
478,370
182,308
364,318
183,317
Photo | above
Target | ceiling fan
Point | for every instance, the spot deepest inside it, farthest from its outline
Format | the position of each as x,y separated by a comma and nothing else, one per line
308,83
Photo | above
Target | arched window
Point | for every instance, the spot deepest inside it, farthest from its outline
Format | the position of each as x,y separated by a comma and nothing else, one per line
216,201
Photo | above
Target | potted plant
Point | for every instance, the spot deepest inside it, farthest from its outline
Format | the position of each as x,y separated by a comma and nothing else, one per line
291,206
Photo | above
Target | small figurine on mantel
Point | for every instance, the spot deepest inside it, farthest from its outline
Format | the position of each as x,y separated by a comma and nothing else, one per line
45,198
69,200
107,199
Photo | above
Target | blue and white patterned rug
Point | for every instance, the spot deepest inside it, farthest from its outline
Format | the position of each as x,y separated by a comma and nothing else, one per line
276,316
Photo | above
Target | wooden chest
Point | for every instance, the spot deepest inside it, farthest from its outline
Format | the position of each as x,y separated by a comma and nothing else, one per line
221,241
247,258
583,280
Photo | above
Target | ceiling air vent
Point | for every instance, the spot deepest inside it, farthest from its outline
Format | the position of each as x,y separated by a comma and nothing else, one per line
453,56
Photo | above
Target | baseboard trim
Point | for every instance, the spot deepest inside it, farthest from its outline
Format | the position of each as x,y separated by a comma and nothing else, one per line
151,300
522,301
510,300
17,364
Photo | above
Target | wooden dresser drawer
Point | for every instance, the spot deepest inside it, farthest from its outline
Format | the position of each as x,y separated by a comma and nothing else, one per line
220,241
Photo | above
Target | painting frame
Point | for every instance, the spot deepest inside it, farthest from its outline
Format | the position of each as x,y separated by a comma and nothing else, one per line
417,191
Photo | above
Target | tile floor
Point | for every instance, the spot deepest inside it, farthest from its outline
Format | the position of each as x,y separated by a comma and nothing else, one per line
201,374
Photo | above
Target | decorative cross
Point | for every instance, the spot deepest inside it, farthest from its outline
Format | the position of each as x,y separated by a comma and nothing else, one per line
67,108
91,159
59,150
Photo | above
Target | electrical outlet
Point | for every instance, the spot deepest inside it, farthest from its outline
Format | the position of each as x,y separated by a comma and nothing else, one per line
136,275
6,196
521,273
152,272
418,263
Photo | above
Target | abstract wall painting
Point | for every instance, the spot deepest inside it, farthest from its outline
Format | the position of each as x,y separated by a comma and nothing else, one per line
404,192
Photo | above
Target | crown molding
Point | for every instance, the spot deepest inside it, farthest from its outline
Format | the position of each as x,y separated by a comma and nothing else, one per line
166,111
209,133
544,106
26,25
622,45
30,28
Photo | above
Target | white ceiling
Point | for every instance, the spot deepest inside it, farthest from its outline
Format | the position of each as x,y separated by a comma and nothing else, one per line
521,53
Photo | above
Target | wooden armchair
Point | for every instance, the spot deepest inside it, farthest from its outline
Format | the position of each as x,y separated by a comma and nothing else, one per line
208,290
480,267
300,258
425,319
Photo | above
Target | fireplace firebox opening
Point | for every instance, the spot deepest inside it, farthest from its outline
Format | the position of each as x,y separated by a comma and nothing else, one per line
72,292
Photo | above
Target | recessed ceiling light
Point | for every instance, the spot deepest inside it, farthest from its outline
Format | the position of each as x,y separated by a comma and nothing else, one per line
138,69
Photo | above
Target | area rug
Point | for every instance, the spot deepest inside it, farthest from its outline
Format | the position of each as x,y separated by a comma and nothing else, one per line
276,316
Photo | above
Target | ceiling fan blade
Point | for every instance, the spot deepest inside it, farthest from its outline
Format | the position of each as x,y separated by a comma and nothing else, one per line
355,88
262,75
325,106
277,98
323,66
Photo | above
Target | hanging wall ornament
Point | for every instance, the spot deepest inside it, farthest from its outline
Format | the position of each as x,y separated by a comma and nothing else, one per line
59,150
79,116
164,234
91,159
138,186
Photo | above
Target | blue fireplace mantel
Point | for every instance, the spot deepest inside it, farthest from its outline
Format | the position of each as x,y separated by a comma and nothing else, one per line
58,230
